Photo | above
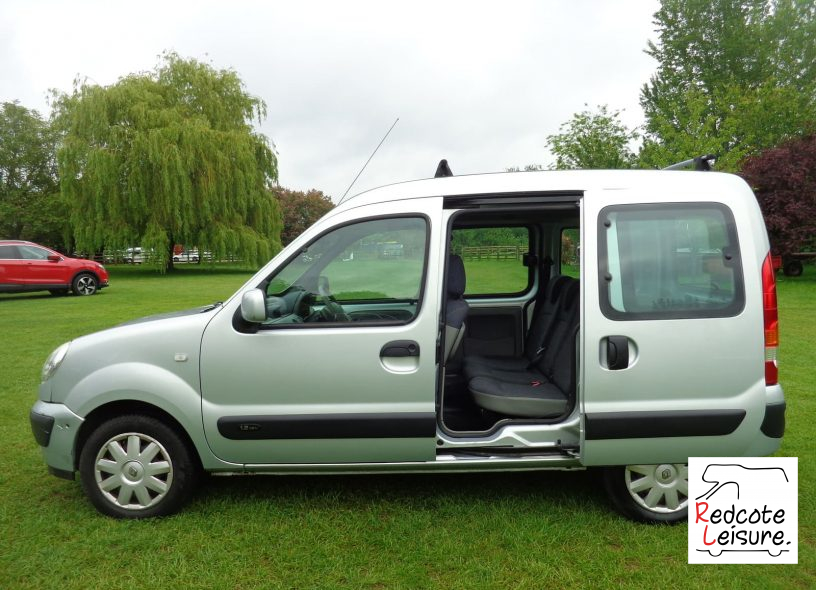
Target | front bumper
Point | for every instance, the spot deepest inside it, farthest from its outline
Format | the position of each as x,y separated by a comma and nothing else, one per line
55,429
41,427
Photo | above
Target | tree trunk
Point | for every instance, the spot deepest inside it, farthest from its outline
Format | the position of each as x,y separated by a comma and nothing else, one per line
170,267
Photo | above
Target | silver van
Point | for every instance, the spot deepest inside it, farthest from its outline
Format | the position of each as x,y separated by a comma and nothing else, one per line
622,320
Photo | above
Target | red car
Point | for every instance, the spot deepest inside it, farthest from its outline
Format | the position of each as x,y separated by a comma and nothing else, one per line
25,266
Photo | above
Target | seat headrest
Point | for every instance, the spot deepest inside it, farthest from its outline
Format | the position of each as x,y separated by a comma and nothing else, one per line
456,276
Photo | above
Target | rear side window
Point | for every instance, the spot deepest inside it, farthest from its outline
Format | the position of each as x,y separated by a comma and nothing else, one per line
669,261
9,253
494,259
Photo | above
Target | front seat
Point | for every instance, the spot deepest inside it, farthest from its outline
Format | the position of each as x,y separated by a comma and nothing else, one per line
456,308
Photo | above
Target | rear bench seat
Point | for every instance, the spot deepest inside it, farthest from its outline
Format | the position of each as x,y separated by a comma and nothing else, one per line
540,383
542,323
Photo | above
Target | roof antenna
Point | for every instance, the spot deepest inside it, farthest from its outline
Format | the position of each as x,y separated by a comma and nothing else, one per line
443,169
343,198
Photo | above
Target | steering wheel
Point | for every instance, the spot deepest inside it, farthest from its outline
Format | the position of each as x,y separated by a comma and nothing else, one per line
332,311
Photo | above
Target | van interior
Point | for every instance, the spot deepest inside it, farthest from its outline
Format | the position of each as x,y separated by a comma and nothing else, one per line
511,317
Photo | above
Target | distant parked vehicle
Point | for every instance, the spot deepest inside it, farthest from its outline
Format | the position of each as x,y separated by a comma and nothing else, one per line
186,256
27,267
134,256
791,264
137,255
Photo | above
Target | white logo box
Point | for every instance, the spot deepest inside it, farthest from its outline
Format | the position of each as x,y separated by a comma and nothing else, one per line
743,510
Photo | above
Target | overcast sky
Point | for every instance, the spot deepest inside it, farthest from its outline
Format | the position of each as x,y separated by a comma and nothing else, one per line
479,83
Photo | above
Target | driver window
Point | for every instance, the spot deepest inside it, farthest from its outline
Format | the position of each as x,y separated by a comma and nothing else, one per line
32,253
363,272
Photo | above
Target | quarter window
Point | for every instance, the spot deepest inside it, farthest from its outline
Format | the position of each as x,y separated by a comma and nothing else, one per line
669,261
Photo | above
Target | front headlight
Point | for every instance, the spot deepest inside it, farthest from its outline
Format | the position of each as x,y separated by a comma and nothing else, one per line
54,361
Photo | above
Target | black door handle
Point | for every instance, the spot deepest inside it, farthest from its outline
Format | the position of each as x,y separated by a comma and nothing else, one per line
400,348
617,352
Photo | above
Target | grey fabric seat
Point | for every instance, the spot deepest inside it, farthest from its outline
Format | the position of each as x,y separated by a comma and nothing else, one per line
540,326
546,389
456,308
531,400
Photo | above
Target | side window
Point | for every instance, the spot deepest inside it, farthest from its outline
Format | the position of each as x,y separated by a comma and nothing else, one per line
494,259
9,253
365,272
669,261
571,252
32,253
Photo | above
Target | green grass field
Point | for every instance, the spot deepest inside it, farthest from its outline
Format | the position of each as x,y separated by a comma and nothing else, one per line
539,530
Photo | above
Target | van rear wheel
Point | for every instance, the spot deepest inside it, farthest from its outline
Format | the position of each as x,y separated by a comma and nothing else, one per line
649,493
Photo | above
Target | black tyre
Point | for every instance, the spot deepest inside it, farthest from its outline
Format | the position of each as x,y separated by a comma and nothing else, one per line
85,284
649,493
793,268
137,467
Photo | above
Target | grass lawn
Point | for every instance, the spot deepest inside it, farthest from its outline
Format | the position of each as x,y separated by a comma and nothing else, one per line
538,530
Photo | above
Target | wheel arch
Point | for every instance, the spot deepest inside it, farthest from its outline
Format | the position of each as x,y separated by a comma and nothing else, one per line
110,410
84,271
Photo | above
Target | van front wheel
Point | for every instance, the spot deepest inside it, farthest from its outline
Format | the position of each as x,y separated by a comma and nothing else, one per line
649,493
136,467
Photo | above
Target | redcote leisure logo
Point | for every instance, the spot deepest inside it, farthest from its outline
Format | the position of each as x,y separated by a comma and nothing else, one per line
743,510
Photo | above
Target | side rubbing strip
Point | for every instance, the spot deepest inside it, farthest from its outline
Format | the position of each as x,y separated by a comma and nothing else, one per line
614,425
397,425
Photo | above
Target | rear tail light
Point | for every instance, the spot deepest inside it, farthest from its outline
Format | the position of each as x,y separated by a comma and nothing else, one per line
771,321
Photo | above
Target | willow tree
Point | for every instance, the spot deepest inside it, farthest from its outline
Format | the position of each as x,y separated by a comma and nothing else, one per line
169,157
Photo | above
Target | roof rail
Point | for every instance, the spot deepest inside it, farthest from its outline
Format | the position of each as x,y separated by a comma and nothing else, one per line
700,163
443,169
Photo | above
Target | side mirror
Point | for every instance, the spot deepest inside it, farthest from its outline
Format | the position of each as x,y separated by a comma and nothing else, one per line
54,258
253,306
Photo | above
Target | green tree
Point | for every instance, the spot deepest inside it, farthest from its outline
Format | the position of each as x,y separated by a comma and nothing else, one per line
593,141
734,77
169,157
300,210
30,207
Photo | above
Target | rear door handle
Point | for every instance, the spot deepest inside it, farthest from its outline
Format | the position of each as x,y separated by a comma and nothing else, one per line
397,348
617,352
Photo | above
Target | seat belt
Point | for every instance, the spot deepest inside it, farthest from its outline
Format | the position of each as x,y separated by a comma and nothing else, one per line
548,329
543,279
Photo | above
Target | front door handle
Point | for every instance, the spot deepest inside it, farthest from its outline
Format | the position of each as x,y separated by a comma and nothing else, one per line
400,348
617,352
